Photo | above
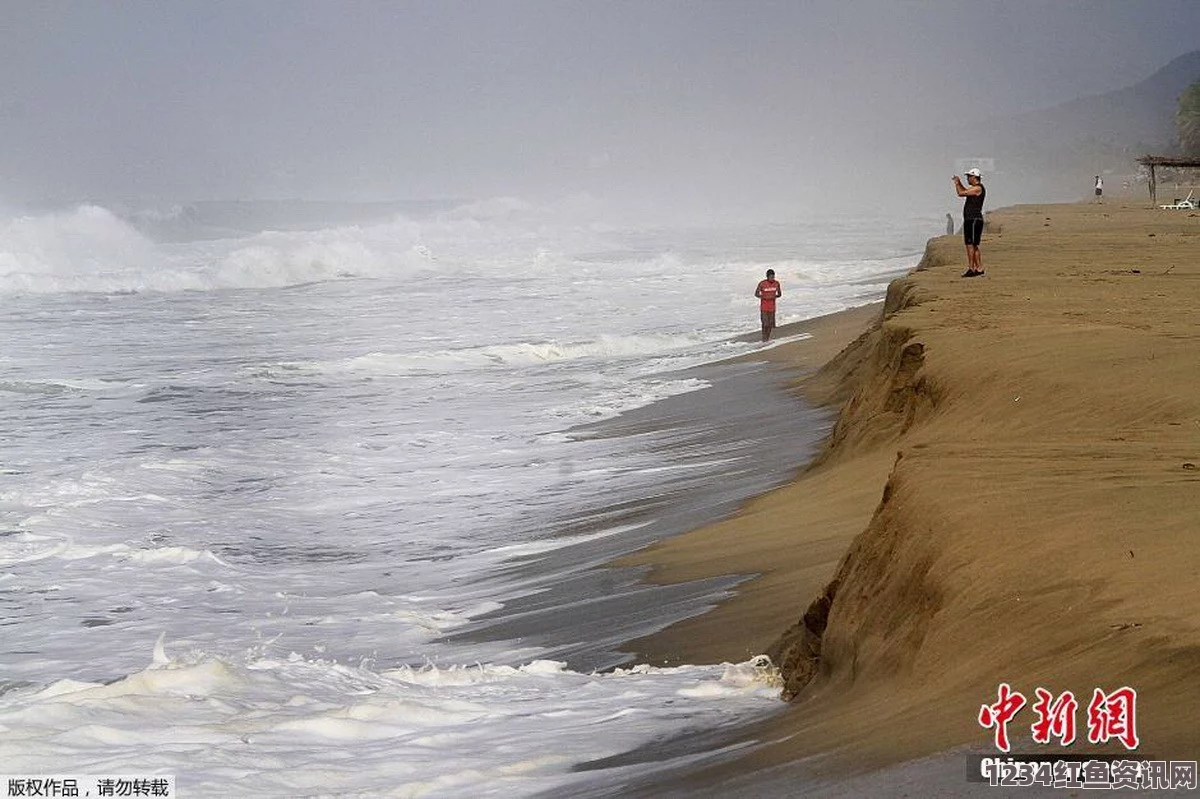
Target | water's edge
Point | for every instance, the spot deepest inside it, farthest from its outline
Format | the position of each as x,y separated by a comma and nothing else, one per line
585,609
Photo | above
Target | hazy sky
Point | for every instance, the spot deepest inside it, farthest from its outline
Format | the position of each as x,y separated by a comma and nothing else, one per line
374,100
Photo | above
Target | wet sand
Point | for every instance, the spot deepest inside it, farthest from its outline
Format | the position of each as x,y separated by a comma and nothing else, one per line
1011,494
569,601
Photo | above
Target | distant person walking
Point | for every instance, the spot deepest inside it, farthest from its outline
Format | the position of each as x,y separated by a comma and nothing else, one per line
767,292
974,193
1099,188
949,225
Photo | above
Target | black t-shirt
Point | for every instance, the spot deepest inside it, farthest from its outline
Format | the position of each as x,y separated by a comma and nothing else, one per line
973,207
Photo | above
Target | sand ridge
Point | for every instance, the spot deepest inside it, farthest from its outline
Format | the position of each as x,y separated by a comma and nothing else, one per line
1011,494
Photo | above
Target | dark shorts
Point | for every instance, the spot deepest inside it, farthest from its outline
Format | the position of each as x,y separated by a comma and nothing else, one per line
768,318
972,232
1099,192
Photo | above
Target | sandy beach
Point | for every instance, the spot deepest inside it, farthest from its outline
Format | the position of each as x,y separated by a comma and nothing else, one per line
1011,494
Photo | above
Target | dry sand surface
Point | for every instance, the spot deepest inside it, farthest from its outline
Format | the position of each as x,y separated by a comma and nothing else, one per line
1011,494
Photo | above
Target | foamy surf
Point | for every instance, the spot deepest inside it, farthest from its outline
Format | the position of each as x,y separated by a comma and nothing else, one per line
362,514
212,720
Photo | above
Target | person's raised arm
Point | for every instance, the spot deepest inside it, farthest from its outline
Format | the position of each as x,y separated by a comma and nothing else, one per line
965,191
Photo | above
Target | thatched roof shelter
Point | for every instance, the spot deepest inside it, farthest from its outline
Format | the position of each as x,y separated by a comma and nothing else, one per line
1153,161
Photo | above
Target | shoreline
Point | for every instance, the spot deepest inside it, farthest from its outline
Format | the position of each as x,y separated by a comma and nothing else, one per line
701,553
705,464
755,451
1006,497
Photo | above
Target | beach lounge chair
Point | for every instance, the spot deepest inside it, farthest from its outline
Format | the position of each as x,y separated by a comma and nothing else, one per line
1186,203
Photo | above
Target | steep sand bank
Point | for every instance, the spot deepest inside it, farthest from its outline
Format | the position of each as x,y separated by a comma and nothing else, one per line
1011,494
725,547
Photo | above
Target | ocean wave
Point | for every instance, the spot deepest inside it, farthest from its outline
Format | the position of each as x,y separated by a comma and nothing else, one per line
24,548
30,547
59,386
211,717
90,249
519,354
86,249
93,249
615,396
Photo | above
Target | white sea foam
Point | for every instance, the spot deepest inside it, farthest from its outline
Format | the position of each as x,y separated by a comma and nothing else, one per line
54,386
493,356
90,249
27,548
69,251
321,462
471,730
162,556
283,259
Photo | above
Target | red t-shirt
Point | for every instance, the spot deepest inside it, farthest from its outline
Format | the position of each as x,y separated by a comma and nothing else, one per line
768,290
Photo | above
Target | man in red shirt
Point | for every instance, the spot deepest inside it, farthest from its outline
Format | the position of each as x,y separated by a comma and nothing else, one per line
767,292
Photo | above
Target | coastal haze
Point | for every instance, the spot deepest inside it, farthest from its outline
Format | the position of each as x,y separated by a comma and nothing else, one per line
705,105
359,359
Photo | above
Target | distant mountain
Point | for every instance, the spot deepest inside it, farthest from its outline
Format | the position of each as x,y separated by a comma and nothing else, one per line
1142,114
1100,133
